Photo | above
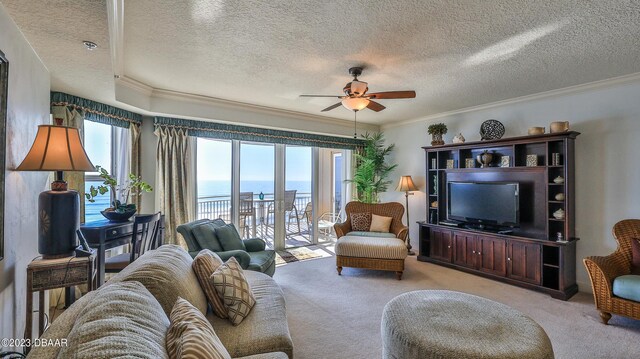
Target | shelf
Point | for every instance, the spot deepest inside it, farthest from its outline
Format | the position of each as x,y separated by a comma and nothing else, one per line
434,208
550,265
557,220
558,202
555,184
558,166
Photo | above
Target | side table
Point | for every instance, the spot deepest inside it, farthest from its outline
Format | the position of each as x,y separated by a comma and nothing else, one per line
45,274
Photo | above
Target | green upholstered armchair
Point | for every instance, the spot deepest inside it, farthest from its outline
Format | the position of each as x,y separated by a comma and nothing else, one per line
224,240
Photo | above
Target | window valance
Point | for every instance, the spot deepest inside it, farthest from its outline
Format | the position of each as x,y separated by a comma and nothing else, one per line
96,111
254,134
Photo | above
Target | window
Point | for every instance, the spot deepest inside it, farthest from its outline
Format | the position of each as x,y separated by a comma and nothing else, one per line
97,143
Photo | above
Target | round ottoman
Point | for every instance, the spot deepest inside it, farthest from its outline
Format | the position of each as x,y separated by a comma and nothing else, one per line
446,324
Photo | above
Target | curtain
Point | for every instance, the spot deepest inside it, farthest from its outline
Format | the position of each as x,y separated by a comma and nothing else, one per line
72,118
121,150
175,172
134,157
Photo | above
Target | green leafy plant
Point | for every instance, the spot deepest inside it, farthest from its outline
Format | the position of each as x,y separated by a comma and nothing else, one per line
133,187
437,129
370,176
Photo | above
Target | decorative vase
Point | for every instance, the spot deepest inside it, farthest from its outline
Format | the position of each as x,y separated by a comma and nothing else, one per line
558,180
559,126
261,196
559,214
459,138
560,197
484,159
535,131
436,139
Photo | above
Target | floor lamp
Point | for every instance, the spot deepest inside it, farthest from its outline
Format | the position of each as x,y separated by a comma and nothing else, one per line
407,186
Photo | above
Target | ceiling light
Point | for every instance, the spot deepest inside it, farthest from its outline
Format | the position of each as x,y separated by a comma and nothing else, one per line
90,45
355,103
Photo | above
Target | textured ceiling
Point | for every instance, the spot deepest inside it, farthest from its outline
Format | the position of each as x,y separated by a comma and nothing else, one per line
455,54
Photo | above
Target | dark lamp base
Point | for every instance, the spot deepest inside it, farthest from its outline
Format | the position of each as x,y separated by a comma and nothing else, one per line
58,256
58,220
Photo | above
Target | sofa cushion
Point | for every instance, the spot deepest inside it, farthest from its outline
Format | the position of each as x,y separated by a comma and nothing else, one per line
229,238
260,261
371,234
635,256
380,223
166,272
265,329
361,221
370,247
190,335
204,264
627,287
205,235
232,286
124,320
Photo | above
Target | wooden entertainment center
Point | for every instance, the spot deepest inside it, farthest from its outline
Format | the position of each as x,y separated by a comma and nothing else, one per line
530,256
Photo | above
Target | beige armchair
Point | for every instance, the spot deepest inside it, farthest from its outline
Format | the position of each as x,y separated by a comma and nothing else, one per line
391,209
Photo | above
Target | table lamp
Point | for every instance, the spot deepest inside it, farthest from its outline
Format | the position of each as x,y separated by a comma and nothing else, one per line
57,148
406,185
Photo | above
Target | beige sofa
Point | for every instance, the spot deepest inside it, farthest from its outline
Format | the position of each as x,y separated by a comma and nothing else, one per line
166,273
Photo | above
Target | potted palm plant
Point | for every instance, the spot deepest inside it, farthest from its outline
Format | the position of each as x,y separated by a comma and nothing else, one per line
134,187
370,176
436,131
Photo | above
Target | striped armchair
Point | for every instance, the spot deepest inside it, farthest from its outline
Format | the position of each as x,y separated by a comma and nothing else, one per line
390,209
604,270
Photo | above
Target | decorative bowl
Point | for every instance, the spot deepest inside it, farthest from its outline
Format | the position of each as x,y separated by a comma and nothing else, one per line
114,216
535,131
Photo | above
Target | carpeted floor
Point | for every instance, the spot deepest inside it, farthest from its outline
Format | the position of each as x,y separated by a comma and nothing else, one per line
333,316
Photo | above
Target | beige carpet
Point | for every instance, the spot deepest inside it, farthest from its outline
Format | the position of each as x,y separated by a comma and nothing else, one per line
333,316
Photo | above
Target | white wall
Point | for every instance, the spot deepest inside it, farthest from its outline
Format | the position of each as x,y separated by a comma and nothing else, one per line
28,106
607,156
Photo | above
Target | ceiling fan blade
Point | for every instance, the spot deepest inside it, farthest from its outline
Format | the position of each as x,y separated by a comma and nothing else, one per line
332,107
375,106
322,96
392,94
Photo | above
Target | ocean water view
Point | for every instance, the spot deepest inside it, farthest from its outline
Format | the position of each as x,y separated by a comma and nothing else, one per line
206,188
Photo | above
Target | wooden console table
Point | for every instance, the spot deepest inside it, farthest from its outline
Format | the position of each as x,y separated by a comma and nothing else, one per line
45,274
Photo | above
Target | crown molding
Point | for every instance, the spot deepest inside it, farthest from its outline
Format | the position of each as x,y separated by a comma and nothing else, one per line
115,19
613,81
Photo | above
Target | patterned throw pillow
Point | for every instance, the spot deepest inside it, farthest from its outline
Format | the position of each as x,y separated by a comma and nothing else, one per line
361,222
232,286
380,223
191,336
204,264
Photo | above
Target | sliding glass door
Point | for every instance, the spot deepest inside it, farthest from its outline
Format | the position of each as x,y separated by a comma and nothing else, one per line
256,209
214,170
298,196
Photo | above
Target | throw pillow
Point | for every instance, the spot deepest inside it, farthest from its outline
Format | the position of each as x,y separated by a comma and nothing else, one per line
229,238
205,235
123,321
204,264
635,256
360,222
191,336
380,223
232,286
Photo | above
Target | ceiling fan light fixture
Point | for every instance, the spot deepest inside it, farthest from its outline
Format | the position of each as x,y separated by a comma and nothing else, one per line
355,103
358,88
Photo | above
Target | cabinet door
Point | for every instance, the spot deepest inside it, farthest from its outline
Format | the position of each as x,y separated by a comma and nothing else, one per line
464,249
441,245
491,255
523,261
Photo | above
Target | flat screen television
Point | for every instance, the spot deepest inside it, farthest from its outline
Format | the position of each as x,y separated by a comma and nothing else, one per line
490,203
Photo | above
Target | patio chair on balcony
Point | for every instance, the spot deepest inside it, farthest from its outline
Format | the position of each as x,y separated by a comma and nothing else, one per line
247,210
290,210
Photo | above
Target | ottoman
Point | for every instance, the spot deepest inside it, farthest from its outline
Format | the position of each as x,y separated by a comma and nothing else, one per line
445,324
371,253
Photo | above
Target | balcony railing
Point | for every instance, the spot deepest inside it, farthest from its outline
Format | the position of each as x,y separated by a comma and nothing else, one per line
220,206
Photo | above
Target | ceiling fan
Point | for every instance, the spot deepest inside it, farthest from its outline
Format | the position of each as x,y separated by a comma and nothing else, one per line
356,98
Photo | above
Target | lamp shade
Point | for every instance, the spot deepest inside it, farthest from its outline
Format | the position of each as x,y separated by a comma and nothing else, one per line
406,184
56,148
355,103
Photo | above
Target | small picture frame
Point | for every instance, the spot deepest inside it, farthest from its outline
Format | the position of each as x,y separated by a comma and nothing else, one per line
470,163
505,161
450,164
532,160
